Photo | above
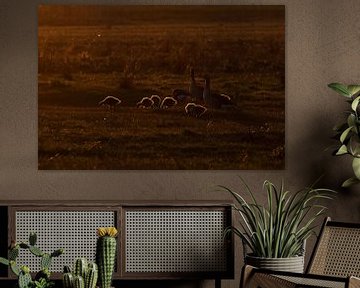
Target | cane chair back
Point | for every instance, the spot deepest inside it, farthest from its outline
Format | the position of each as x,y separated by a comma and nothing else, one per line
337,252
335,262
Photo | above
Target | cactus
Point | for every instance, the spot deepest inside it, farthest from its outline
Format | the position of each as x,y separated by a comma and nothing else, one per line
13,253
42,278
91,276
24,277
44,273
80,268
90,272
79,282
67,269
45,261
57,252
36,251
68,280
106,254
32,238
14,268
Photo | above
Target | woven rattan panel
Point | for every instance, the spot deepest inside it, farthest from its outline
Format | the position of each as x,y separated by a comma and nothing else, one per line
338,253
75,231
175,241
312,282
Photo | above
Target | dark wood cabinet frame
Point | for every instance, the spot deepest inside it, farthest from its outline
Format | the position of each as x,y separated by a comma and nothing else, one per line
9,208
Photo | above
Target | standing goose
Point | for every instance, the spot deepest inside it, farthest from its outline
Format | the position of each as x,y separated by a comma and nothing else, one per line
216,100
196,91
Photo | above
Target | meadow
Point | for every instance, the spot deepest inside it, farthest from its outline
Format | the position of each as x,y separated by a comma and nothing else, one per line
81,63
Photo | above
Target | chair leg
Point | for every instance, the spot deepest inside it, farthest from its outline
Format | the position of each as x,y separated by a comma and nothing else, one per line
246,273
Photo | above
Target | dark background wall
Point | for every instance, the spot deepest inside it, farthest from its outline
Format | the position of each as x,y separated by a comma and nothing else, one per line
322,46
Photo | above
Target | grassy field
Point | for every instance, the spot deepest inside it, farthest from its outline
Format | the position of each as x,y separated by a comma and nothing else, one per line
81,64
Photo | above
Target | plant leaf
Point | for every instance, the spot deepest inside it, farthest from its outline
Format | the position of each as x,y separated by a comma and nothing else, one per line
340,88
342,150
351,120
345,134
353,89
355,103
349,182
4,261
356,167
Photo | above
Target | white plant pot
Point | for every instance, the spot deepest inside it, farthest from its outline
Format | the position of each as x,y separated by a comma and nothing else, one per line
291,264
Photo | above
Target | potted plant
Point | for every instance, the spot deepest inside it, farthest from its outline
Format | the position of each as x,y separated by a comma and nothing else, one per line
42,278
276,233
348,133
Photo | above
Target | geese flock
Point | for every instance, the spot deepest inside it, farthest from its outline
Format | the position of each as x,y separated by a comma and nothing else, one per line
196,100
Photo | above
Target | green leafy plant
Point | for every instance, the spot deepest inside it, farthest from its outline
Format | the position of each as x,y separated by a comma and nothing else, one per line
42,278
279,229
348,132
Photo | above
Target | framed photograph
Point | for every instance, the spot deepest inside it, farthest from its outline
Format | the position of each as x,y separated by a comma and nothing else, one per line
165,87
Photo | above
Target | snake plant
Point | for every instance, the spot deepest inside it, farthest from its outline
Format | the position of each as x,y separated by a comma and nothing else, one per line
279,228
348,132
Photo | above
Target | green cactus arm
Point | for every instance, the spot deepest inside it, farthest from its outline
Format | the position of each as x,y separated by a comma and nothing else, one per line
79,282
13,253
24,245
4,261
36,251
67,269
24,280
81,265
57,252
14,268
45,261
91,276
32,238
68,280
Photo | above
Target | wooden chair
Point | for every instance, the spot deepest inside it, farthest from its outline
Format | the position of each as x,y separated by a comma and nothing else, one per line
335,262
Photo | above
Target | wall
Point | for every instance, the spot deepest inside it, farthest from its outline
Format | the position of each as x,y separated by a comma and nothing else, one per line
322,46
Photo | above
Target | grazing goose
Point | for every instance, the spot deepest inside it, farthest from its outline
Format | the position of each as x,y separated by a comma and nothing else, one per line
216,100
110,102
194,110
157,101
168,102
180,95
145,102
196,91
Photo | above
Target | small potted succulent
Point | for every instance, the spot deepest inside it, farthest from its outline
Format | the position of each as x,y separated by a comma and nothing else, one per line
275,233
84,274
348,132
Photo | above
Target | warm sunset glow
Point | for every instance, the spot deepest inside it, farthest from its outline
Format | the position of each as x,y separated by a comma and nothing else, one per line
129,53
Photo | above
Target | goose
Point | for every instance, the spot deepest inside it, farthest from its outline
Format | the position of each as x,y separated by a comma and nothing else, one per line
168,102
196,91
180,95
157,101
195,110
110,102
216,100
145,102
